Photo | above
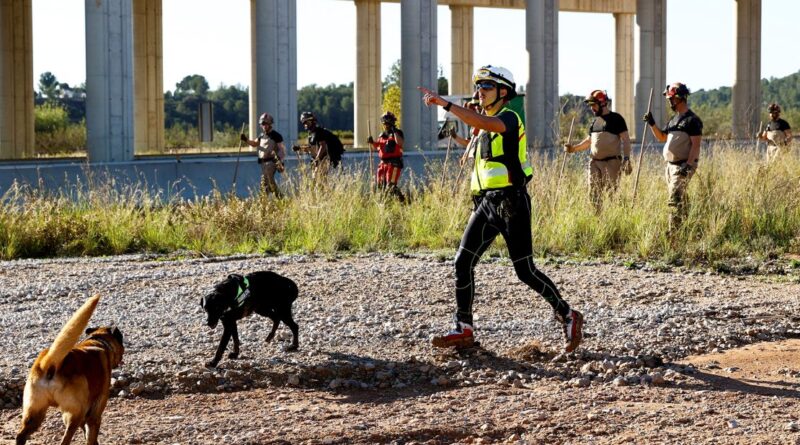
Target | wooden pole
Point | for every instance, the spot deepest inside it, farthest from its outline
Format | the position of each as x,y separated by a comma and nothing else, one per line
236,169
641,148
446,157
371,171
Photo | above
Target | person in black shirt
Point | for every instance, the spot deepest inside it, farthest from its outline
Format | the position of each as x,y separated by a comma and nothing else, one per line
778,133
271,153
610,147
325,148
681,151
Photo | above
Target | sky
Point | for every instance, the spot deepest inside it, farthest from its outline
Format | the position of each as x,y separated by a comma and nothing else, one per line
211,38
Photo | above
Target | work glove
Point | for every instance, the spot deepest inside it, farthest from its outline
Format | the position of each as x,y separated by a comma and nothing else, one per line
370,141
453,133
627,165
685,169
648,117
568,148
295,148
243,137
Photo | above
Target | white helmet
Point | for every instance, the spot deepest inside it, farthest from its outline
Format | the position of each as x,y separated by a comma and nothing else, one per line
496,74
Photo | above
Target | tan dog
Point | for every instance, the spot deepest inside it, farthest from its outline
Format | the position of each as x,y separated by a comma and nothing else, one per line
74,377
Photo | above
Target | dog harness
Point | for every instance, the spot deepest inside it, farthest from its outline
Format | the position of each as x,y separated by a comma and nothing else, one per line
242,294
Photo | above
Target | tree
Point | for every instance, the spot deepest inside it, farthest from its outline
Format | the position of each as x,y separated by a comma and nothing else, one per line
391,102
194,84
332,105
48,85
442,86
393,78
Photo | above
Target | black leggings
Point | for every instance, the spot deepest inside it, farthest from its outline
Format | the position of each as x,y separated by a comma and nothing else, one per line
506,212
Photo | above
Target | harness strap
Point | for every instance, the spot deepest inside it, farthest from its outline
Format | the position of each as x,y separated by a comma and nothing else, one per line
240,296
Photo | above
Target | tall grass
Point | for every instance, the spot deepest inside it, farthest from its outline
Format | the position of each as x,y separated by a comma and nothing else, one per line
738,207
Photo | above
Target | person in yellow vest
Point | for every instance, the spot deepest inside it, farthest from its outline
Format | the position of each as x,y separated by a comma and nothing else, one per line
500,173
610,147
681,150
778,133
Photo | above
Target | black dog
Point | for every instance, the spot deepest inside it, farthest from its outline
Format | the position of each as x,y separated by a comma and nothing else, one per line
265,293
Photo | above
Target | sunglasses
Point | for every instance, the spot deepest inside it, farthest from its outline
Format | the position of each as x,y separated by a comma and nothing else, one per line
485,85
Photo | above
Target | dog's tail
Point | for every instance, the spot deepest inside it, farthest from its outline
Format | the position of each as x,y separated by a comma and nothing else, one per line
69,335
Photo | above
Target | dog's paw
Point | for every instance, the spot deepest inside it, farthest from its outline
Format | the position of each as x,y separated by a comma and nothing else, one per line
270,337
290,348
211,364
233,355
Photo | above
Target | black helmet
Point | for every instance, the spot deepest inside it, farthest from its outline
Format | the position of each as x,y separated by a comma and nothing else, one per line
774,108
307,116
678,90
389,118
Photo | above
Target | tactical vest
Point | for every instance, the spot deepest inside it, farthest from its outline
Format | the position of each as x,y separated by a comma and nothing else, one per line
489,171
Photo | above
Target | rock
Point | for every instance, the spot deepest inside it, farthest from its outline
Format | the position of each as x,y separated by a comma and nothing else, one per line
293,380
793,426
620,381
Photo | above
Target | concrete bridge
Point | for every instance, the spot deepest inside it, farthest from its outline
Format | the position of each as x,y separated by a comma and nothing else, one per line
125,109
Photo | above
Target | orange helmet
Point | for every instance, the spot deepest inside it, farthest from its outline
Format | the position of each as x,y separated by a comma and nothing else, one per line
598,97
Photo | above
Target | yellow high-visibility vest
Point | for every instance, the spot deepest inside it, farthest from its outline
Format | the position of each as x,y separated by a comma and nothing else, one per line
489,174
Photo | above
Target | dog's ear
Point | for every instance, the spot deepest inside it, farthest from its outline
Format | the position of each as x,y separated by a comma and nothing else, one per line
117,334
90,330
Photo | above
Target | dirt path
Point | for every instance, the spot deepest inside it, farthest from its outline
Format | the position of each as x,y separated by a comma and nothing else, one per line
368,375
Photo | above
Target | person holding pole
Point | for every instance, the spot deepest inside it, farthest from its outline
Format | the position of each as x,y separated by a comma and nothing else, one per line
778,133
500,173
610,147
390,153
681,151
271,153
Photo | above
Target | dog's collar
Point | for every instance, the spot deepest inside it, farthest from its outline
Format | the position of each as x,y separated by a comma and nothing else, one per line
240,295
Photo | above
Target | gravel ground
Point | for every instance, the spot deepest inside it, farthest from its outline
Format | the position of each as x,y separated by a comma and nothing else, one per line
365,372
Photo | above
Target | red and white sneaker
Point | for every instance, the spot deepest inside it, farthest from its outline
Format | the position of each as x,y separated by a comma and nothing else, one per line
460,337
573,329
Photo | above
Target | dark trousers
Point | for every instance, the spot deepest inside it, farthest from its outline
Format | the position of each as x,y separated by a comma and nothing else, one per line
506,212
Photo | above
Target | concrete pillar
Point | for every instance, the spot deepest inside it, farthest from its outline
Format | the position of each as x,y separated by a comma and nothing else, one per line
368,88
109,80
651,16
273,85
747,79
623,77
542,101
418,52
16,79
461,45
148,87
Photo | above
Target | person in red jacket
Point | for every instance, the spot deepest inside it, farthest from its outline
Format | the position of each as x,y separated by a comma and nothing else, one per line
390,152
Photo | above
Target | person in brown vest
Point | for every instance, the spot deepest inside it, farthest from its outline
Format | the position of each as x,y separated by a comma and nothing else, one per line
271,153
778,133
681,151
610,147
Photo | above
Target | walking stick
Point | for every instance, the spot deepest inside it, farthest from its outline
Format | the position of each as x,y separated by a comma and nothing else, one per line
758,138
236,169
446,157
371,171
563,161
641,148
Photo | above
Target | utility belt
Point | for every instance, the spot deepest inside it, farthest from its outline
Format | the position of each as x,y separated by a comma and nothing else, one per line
397,162
679,163
608,158
496,195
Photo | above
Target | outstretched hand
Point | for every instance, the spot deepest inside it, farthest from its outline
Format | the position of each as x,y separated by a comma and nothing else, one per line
431,98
